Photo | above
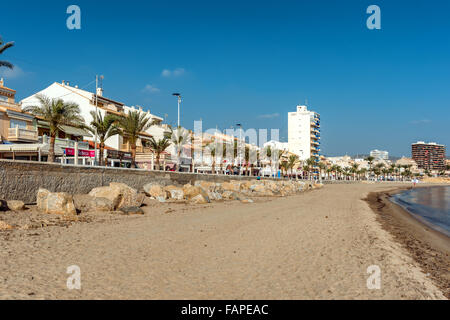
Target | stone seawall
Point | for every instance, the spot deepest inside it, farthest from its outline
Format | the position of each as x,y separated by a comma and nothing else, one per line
20,180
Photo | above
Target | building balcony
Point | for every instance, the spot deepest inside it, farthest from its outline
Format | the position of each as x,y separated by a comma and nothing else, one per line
19,134
141,149
10,105
65,143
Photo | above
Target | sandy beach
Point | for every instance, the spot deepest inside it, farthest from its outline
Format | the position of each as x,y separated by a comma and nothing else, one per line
316,245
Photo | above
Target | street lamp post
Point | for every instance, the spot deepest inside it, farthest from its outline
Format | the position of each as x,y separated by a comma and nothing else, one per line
179,103
239,148
96,116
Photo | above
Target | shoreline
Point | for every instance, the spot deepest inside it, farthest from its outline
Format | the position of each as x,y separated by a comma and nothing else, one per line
427,246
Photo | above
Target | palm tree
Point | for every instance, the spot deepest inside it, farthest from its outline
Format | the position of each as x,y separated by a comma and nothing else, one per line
370,159
104,128
212,150
362,172
306,169
385,172
347,171
339,171
284,166
159,147
179,138
379,167
311,164
322,167
247,159
235,152
292,161
329,170
354,170
392,169
268,153
224,155
280,154
132,125
334,168
56,112
3,47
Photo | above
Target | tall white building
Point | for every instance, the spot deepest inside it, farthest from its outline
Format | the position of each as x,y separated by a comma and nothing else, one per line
379,154
304,133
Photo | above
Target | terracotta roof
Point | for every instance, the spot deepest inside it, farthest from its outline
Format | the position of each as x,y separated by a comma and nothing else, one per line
7,89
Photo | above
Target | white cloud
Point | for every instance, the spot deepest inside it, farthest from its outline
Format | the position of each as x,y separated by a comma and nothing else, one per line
423,121
11,74
150,88
166,73
269,116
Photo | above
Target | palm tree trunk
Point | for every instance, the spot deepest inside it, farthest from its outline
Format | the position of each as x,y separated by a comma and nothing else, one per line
102,147
157,161
51,150
133,155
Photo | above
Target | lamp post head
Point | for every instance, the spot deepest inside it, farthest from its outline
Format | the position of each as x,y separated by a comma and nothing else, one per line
176,94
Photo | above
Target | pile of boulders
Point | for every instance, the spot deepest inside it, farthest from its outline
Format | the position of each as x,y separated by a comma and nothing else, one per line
112,198
205,191
119,197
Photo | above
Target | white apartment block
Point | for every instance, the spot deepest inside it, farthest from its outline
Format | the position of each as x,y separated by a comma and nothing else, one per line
304,133
379,154
87,101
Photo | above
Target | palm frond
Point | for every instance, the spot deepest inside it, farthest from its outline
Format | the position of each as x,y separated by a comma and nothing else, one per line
6,64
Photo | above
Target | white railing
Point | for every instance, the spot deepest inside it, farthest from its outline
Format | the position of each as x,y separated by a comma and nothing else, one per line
24,134
9,104
65,143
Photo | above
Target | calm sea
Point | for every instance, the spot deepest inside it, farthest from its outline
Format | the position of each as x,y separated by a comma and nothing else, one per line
430,205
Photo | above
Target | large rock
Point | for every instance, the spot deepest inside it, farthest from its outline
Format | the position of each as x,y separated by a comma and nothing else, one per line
120,194
216,196
231,186
16,205
156,191
191,192
87,203
261,190
231,195
55,202
246,185
175,193
200,199
206,185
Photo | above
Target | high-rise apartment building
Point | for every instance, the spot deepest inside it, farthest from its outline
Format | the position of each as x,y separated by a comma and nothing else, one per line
304,133
430,156
379,154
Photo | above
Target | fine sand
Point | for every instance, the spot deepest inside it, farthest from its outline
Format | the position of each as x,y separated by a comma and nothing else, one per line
316,245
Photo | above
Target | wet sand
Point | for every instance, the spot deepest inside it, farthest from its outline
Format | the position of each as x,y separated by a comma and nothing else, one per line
316,245
428,247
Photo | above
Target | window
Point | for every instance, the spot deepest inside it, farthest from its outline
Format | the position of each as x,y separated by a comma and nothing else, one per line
14,123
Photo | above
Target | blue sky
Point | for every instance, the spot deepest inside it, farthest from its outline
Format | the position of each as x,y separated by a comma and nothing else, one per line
251,62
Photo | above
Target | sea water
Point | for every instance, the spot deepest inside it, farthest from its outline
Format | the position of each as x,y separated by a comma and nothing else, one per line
430,205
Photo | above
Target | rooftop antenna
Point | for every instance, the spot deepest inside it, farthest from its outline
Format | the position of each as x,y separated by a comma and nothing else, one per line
306,102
